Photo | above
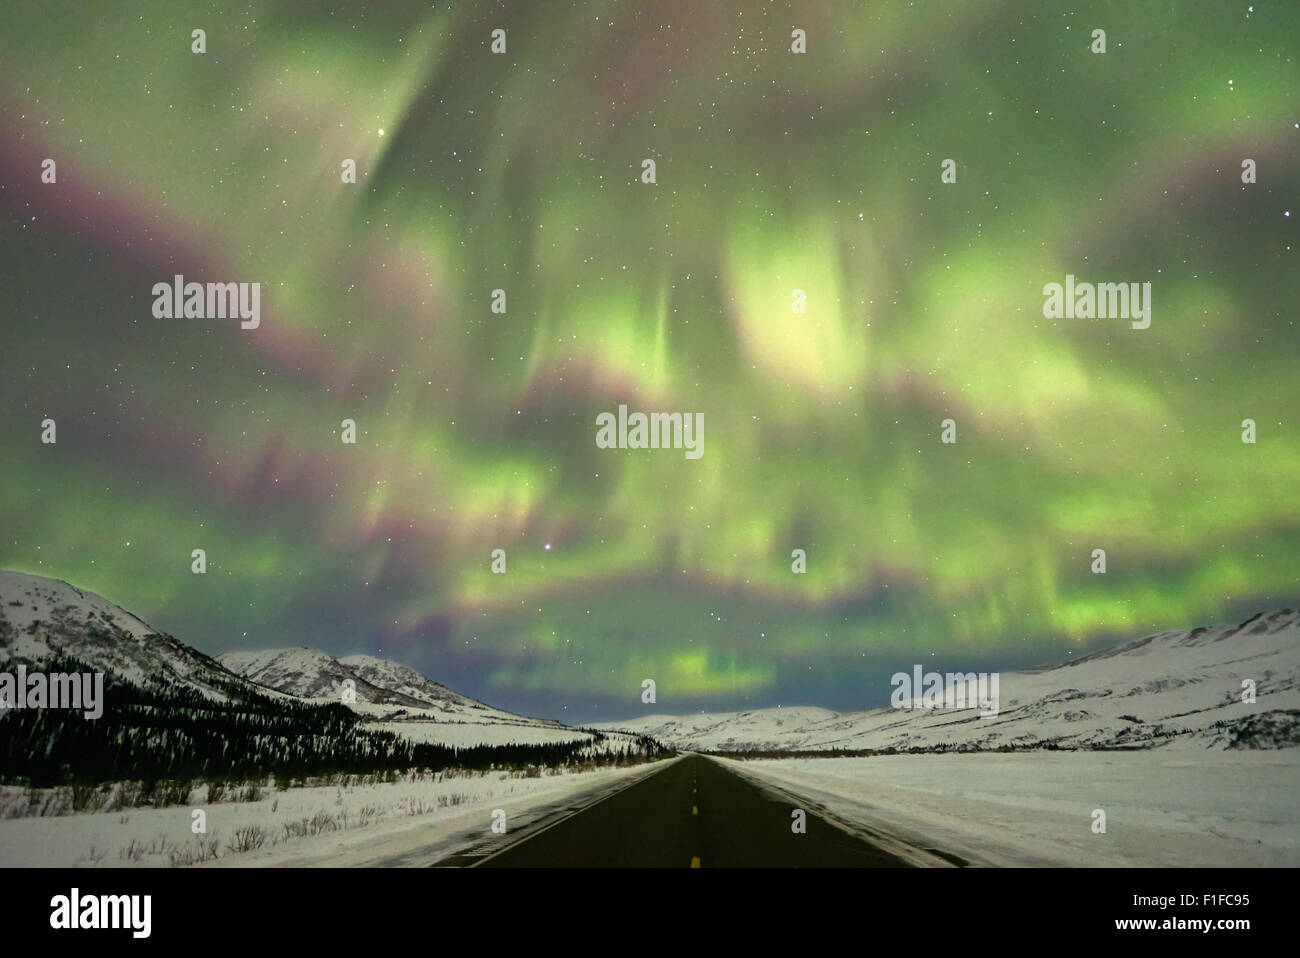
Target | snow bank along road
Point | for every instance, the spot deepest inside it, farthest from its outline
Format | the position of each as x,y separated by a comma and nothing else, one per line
697,813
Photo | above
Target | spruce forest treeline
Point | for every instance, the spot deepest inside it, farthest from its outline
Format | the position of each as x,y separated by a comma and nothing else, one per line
162,732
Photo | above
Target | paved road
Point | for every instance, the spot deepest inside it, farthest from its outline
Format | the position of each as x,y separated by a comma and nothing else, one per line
693,813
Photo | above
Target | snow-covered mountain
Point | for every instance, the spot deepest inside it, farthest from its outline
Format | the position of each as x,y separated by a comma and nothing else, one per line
42,618
309,674
1171,687
391,687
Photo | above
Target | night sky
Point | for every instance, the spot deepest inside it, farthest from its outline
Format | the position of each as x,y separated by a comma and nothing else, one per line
775,172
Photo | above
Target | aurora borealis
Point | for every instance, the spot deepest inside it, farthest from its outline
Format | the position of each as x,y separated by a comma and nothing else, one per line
775,172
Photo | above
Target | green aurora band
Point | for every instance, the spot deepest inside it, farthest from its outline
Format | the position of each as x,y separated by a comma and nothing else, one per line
775,172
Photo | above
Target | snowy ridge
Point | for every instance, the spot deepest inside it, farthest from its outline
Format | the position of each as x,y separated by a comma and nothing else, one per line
421,689
307,673
390,688
1171,687
42,618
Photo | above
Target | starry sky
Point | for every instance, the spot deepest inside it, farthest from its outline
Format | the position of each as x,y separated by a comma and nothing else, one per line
775,171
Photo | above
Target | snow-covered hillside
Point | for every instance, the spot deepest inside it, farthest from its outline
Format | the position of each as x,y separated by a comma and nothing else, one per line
42,618
310,674
394,698
1183,686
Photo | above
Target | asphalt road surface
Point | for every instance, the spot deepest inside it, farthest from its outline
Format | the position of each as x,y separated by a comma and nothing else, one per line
695,813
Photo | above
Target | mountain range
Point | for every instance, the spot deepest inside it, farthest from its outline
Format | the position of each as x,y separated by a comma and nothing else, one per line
41,618
1177,687
1190,687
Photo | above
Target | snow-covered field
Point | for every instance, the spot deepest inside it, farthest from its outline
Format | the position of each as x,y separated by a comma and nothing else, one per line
409,822
1173,807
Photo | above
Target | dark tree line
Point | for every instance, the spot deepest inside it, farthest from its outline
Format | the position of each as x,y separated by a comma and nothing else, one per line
161,732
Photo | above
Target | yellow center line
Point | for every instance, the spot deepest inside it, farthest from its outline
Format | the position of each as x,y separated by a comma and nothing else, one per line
695,862
695,810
